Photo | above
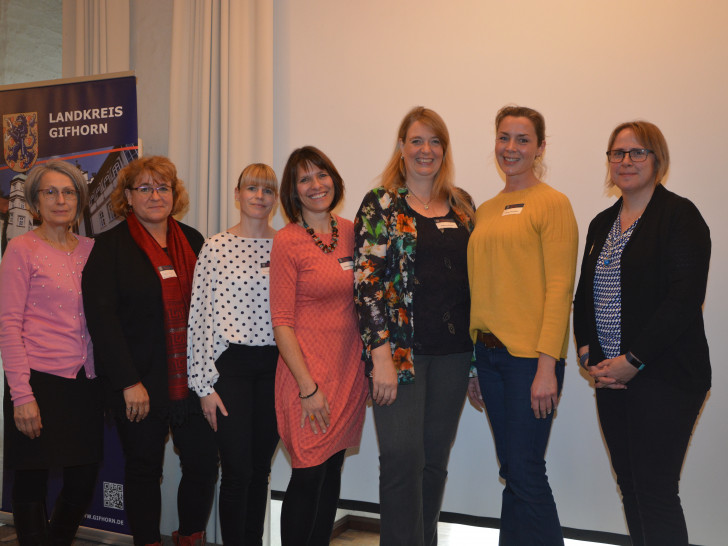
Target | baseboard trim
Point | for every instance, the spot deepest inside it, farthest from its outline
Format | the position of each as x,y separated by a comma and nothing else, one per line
371,524
356,523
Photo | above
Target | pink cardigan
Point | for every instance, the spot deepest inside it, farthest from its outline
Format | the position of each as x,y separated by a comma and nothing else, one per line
42,324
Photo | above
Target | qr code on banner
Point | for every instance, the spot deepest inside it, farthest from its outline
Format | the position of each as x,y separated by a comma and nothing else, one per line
113,495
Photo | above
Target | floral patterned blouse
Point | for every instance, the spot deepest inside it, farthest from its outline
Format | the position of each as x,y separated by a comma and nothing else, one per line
385,235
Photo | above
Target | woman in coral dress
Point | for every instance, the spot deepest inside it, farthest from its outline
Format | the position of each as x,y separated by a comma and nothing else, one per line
320,383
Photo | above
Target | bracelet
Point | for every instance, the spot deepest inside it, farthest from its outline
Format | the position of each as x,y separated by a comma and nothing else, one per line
309,395
583,358
636,362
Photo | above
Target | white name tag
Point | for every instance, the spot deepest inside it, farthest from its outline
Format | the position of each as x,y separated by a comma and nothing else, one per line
346,263
446,224
265,268
167,272
516,208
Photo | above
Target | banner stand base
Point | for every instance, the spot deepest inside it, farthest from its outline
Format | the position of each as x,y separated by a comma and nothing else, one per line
86,533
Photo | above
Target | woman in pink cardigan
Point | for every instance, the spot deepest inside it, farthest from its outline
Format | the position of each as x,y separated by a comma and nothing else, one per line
53,405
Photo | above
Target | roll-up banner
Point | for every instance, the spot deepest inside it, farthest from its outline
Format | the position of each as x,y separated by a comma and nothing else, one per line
91,123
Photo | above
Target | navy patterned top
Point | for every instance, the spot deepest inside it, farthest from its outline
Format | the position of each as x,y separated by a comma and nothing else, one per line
608,288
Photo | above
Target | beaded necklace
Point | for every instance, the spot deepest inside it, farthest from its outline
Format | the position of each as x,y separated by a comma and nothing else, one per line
334,236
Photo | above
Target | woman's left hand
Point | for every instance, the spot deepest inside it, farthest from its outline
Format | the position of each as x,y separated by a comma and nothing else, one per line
545,388
210,405
315,410
613,373
476,397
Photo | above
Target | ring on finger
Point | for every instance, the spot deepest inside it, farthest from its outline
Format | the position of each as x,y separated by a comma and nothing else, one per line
311,417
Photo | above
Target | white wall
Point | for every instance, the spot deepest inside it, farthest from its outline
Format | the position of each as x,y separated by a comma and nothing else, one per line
346,73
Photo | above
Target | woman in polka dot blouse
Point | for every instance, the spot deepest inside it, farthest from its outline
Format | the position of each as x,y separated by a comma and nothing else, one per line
231,354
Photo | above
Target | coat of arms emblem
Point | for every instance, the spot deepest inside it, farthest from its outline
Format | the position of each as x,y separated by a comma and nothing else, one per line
20,140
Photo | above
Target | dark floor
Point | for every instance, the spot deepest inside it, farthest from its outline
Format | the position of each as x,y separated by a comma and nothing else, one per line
8,538
350,537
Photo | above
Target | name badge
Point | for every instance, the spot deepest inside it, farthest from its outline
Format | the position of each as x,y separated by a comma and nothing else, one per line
516,208
167,272
265,268
446,224
347,263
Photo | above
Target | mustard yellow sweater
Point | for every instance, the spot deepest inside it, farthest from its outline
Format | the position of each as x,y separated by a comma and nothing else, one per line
521,264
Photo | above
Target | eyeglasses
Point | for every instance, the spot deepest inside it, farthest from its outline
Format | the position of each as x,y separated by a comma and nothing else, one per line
149,190
51,194
638,155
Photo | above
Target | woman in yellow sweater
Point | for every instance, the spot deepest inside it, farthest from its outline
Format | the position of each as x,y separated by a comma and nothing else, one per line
521,266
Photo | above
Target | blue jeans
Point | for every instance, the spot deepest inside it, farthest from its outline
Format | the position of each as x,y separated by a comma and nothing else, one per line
528,512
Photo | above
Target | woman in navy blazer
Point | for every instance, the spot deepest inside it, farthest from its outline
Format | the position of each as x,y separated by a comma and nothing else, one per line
639,330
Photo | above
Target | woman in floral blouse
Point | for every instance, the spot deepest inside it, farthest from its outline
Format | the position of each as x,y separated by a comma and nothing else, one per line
411,285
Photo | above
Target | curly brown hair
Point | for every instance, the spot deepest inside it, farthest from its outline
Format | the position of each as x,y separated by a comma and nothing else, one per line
161,169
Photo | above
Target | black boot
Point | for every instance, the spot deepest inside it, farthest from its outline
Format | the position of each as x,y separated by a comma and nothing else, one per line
65,520
31,523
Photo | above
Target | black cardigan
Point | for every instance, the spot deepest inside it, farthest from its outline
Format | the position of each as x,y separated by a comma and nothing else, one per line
122,298
664,275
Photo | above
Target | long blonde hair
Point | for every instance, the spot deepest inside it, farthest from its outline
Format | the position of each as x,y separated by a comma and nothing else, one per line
394,175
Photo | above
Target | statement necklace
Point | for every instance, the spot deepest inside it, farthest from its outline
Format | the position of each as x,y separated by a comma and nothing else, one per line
334,236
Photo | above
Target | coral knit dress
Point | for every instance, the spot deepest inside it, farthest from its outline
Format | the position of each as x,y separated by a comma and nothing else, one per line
313,292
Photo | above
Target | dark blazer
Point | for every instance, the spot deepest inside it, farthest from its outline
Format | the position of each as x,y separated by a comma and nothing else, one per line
122,298
664,276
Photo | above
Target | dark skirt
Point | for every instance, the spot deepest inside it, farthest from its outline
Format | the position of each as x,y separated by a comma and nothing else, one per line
71,413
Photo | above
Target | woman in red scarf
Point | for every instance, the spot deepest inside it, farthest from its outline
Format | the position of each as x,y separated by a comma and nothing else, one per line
137,287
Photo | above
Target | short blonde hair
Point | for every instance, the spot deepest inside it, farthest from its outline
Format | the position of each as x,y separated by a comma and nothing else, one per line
650,136
160,169
258,174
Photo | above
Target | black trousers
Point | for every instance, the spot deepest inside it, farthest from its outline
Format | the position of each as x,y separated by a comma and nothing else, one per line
309,506
31,486
143,445
247,439
647,428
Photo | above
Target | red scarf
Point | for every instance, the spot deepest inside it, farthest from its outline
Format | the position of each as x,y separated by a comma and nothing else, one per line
175,269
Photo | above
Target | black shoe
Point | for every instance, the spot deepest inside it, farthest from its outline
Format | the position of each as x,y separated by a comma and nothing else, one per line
31,523
64,523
